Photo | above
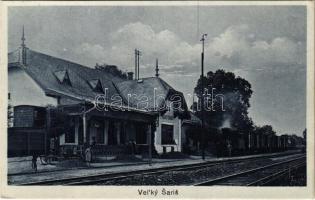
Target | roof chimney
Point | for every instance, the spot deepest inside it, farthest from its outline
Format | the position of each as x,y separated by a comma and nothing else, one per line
137,61
157,68
23,48
130,75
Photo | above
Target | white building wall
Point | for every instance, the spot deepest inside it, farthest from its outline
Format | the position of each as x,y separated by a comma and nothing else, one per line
25,91
168,118
176,122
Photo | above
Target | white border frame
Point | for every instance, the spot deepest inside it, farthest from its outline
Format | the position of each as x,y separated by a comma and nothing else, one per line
184,192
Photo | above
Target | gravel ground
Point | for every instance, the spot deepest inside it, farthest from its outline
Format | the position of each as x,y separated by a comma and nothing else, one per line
107,167
193,176
24,165
296,178
103,168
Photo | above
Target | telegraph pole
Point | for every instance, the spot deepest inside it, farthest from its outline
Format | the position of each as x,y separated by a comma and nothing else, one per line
139,54
23,48
136,64
157,68
202,97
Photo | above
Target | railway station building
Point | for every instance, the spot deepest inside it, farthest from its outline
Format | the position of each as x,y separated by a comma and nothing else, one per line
62,105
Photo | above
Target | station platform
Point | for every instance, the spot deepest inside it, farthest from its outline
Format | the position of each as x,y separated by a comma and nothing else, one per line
20,171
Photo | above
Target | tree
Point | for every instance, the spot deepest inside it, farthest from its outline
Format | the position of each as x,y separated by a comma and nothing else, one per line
228,97
304,136
112,69
266,129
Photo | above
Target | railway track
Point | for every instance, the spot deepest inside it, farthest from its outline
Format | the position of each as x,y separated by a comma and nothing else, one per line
99,178
258,176
103,178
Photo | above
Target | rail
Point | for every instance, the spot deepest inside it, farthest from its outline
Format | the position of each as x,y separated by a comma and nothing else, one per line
227,178
103,177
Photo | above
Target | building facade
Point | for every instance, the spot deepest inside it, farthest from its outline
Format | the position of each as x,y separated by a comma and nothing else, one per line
88,106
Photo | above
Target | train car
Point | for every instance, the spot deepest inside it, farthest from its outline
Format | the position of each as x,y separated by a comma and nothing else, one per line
295,142
26,116
283,142
274,143
251,143
26,141
29,133
234,142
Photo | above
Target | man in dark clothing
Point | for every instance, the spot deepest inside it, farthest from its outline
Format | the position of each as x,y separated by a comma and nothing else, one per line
34,161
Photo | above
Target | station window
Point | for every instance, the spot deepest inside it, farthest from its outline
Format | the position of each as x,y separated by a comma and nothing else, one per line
167,134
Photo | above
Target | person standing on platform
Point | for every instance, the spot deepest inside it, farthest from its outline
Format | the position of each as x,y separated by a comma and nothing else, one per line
88,156
34,161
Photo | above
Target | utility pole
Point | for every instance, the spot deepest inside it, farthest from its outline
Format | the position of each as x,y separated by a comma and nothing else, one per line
150,144
139,54
157,68
136,64
23,48
202,97
48,126
138,61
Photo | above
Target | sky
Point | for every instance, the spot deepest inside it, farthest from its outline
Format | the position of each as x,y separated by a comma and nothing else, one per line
265,45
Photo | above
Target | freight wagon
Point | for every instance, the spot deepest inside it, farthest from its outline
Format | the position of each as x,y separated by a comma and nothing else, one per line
29,133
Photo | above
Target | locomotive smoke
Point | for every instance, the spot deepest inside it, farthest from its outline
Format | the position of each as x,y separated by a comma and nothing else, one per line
231,105
226,123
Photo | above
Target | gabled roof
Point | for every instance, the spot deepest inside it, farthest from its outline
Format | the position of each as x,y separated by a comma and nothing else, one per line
154,89
47,71
86,83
